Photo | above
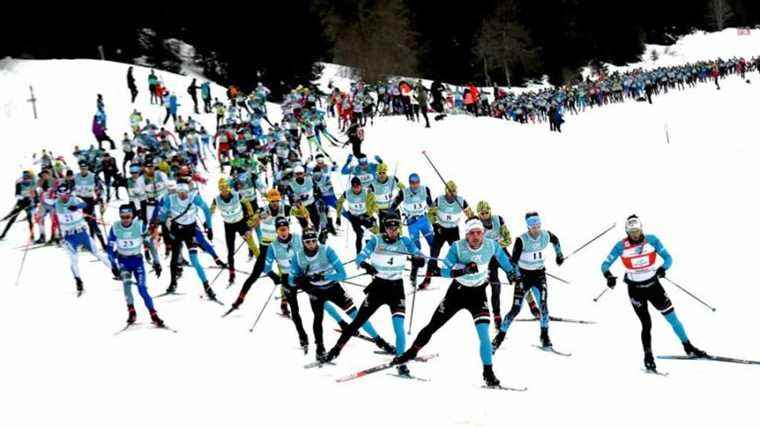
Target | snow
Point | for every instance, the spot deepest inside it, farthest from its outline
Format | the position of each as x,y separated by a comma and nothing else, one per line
61,363
699,46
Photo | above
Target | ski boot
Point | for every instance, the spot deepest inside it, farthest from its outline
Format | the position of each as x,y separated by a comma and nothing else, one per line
132,314
490,377
238,302
406,356
231,278
545,341
155,319
209,292
320,354
692,351
384,346
304,342
80,286
41,240
172,288
497,340
403,371
219,263
425,282
649,362
331,227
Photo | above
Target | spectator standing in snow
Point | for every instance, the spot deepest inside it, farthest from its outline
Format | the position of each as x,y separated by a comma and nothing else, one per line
152,84
131,84
193,91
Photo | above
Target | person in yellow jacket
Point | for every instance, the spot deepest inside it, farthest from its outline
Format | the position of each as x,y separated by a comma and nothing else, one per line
361,207
236,214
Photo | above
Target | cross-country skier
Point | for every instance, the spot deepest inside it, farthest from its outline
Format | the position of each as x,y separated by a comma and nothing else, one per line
71,218
88,187
638,252
445,214
361,210
125,242
317,270
180,212
415,201
467,264
25,197
528,254
237,215
383,258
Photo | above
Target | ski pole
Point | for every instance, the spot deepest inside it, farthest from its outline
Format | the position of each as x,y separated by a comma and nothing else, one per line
413,279
228,267
600,295
263,308
557,278
23,260
413,255
445,185
358,285
691,294
592,240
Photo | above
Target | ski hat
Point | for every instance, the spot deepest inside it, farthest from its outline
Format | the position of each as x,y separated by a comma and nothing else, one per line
126,208
319,156
451,186
392,220
299,169
363,160
63,190
632,223
223,184
414,178
183,188
483,206
382,168
473,224
356,181
171,185
281,221
273,195
134,168
532,219
309,235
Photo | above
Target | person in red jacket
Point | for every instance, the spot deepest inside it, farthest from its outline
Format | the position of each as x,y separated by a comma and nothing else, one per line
715,73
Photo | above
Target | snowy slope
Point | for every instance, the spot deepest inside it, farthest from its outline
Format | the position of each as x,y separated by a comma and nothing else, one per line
61,364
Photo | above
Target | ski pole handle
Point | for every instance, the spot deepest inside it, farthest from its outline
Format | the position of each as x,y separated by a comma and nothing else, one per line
600,295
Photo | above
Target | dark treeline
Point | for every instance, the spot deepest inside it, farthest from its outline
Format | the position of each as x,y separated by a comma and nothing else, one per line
483,41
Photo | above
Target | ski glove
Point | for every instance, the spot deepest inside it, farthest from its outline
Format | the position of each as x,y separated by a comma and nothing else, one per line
369,268
418,261
611,280
661,272
560,259
72,208
209,233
